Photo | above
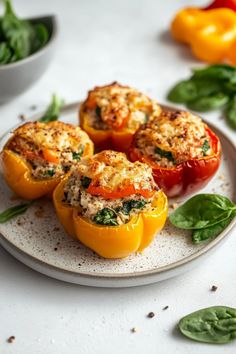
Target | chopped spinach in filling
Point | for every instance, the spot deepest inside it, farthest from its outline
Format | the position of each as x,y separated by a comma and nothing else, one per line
205,147
163,153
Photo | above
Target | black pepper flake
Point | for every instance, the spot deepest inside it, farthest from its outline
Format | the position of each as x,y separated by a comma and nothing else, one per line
150,314
22,117
11,339
214,288
55,249
165,308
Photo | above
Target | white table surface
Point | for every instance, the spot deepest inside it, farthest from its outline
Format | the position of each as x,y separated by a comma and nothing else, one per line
102,41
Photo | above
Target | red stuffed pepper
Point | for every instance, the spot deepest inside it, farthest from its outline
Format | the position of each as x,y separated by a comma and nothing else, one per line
183,151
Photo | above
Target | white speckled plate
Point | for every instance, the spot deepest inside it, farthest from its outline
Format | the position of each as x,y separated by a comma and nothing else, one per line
37,239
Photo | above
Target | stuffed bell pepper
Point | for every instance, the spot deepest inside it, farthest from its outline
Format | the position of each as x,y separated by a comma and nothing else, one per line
110,204
111,115
182,151
38,154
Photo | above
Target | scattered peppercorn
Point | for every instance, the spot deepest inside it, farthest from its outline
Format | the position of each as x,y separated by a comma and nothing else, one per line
214,288
151,315
22,117
134,330
55,249
11,339
165,308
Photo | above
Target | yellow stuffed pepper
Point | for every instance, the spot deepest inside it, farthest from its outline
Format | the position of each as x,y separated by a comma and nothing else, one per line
111,205
38,155
111,115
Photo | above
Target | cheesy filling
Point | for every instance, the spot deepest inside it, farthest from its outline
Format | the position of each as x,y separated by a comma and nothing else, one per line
117,107
173,138
51,148
110,170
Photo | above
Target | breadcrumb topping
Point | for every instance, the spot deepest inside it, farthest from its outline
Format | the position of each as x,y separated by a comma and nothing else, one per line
174,137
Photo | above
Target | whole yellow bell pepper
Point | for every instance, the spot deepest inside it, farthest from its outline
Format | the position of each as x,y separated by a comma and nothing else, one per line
112,241
209,33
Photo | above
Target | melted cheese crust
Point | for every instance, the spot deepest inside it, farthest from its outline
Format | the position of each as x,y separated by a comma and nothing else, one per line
65,141
116,107
113,170
180,133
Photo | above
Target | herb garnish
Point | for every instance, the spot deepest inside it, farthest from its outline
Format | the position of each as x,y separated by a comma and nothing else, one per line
77,155
215,325
205,214
106,216
85,181
163,153
14,211
209,88
205,147
53,111
19,38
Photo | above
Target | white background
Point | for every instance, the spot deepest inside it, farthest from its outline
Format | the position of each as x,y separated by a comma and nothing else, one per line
102,41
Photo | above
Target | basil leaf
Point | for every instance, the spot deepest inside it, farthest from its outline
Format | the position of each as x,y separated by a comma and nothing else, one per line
14,211
201,211
85,181
215,325
211,232
106,216
163,153
53,111
218,71
231,113
208,103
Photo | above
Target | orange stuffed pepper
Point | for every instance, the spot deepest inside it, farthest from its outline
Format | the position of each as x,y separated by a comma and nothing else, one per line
39,154
183,152
111,205
111,115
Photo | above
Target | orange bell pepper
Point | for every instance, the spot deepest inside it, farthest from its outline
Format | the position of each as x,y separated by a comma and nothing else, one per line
209,33
119,140
112,241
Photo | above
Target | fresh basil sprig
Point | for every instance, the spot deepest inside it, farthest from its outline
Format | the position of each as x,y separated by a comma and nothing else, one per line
53,111
19,38
209,88
215,325
206,214
14,211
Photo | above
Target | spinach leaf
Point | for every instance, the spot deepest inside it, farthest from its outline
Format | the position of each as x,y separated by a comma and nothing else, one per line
14,211
98,111
218,71
201,211
231,113
53,111
40,37
163,153
50,173
5,53
106,216
215,325
131,204
183,92
208,103
77,155
205,147
85,181
211,232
